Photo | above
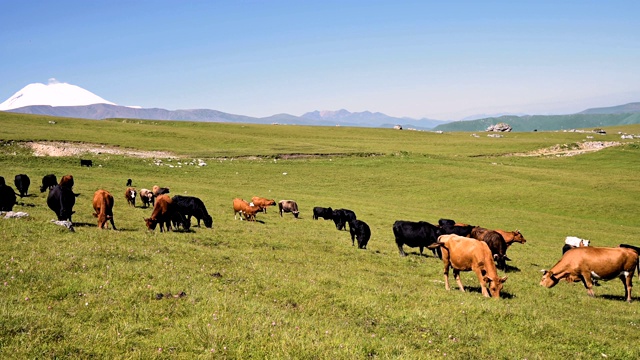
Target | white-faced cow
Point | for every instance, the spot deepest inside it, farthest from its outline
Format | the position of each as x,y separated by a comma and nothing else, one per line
588,263
286,206
465,254
130,195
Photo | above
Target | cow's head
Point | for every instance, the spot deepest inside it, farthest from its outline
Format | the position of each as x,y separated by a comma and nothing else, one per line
517,237
208,221
548,279
295,214
151,224
495,285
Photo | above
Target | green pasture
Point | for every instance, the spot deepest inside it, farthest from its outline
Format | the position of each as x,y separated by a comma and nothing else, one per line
285,288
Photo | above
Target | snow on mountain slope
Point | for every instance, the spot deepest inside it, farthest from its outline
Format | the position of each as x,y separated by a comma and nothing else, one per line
53,94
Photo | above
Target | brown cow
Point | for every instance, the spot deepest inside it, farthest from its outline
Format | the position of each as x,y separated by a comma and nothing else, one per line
103,206
588,263
67,181
512,236
288,206
147,197
162,214
245,209
263,202
496,243
159,190
130,195
465,254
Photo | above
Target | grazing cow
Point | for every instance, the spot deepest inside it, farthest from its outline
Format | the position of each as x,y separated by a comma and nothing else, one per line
48,182
86,163
129,182
22,183
263,202
415,234
159,190
464,254
288,206
587,263
571,242
7,196
130,195
147,197
512,236
450,227
103,206
192,206
163,213
61,199
320,212
341,217
245,209
496,243
361,231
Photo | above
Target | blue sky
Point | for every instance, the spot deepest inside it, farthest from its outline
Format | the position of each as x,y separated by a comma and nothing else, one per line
435,59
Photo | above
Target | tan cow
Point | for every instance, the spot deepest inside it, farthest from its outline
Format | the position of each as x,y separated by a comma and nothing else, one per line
465,254
245,209
163,212
103,206
588,263
147,197
512,236
263,202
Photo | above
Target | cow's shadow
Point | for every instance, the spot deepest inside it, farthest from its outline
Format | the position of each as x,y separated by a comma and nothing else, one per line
510,268
617,297
478,289
83,224
186,231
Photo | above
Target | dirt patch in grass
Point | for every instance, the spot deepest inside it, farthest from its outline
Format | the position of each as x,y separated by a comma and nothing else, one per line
570,149
55,148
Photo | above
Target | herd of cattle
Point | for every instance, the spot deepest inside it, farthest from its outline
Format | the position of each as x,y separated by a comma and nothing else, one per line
461,247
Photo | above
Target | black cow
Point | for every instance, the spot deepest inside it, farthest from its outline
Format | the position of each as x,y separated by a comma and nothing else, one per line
48,182
22,183
192,206
498,248
449,227
320,212
129,181
361,231
61,200
86,163
7,196
416,234
343,216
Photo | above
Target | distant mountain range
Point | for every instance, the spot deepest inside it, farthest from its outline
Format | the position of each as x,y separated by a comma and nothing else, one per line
66,100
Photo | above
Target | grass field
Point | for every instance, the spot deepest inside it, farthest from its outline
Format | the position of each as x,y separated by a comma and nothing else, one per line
297,289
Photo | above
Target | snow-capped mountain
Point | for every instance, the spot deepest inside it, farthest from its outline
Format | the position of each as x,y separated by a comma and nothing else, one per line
53,94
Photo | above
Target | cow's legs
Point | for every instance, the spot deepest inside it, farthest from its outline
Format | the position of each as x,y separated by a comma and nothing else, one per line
446,277
627,280
456,274
402,253
588,283
112,224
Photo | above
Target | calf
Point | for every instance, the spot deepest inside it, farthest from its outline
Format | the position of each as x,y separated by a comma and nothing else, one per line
22,183
288,206
415,234
496,243
512,236
320,212
263,202
48,182
163,213
361,231
103,206
588,263
464,254
130,195
129,182
86,163
342,217
245,209
192,206
7,196
147,197
450,227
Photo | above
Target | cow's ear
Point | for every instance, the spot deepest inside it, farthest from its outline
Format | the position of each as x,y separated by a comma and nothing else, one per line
487,280
495,256
503,280
543,271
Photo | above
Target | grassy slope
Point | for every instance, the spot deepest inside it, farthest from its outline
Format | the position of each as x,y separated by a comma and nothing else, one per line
286,288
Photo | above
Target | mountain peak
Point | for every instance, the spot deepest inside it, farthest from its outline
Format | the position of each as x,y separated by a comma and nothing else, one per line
54,93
